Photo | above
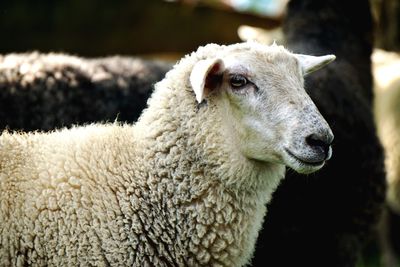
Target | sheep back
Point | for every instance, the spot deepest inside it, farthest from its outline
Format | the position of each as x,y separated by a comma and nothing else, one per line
47,91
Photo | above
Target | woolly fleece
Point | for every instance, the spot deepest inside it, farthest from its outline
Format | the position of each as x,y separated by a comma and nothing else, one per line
52,90
171,190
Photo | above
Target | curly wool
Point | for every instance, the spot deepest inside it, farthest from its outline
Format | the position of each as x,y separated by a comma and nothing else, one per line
109,194
47,91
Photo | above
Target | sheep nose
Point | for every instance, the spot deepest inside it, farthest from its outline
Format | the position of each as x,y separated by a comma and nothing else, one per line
321,143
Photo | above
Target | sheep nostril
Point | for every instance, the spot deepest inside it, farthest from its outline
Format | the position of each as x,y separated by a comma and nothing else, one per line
323,142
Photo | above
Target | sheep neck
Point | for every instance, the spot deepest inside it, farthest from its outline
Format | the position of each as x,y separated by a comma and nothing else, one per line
218,195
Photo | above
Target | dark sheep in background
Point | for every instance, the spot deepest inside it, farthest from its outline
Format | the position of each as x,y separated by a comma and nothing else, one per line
47,91
326,219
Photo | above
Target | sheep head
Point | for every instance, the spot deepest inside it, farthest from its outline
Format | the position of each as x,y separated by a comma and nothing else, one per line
270,114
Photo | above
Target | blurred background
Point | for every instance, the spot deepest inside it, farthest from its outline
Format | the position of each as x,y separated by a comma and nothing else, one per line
149,27
153,28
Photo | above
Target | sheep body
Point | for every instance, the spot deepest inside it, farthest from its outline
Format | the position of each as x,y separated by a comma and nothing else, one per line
53,90
387,115
387,97
170,190
83,206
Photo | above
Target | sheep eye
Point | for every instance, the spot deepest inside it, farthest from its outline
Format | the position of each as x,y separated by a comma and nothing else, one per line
238,81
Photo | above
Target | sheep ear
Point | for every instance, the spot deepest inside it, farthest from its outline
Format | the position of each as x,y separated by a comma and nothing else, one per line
206,76
311,63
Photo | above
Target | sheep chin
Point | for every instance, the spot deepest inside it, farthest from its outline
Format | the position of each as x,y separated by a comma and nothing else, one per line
301,165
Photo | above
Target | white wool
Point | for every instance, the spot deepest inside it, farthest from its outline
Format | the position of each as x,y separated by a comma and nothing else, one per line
386,69
185,186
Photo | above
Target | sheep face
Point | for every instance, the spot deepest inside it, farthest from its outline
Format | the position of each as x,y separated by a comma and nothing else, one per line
271,117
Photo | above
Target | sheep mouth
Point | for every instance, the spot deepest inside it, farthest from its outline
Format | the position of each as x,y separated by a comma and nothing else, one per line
308,162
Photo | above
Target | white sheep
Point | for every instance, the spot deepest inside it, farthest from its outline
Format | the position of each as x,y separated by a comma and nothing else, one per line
386,69
185,186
